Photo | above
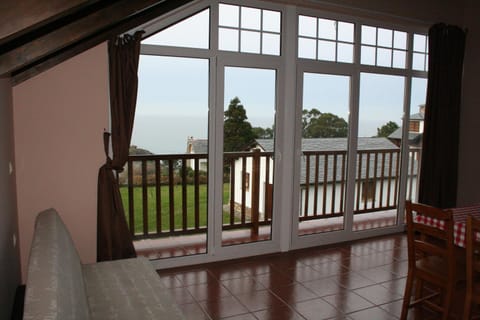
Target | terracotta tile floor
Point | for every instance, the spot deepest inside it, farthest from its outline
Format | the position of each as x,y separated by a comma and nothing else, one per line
359,280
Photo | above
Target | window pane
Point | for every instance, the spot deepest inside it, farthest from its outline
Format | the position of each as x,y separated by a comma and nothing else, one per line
307,26
368,55
384,57
271,44
418,62
419,43
168,122
325,112
380,115
399,59
345,53
193,32
345,31
307,48
326,50
250,42
249,100
369,35
271,21
327,29
228,15
400,40
384,37
227,39
250,18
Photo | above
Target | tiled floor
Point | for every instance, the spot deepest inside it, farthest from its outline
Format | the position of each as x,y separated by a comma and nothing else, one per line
360,280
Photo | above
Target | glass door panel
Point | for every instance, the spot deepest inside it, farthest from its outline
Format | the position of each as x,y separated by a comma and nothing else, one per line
249,125
164,189
377,173
323,178
415,133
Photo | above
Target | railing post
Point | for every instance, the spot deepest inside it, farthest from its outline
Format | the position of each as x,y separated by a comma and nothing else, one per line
255,190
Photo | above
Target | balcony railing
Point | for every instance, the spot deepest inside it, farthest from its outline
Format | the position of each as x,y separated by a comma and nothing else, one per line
166,195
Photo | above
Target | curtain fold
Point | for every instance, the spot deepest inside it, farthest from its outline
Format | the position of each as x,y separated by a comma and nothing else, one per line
438,177
114,240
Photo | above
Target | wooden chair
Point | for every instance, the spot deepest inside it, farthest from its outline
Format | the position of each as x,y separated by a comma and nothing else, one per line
431,262
472,294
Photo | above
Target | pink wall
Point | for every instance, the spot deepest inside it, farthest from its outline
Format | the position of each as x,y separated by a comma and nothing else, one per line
59,118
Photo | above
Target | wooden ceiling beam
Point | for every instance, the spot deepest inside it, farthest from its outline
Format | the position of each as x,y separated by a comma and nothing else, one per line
51,48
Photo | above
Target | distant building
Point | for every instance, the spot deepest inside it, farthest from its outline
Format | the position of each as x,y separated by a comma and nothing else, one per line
197,146
415,129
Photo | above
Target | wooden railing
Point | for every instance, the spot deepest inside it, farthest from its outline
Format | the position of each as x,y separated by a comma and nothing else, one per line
323,181
166,195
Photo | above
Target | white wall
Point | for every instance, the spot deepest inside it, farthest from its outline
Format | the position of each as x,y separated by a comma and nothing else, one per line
59,118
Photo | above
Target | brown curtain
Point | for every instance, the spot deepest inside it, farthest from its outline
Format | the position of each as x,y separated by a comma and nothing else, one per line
114,240
438,177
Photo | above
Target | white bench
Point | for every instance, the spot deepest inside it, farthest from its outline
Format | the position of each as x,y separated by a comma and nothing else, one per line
60,287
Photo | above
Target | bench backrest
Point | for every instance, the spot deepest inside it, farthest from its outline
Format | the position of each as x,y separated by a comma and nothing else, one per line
55,287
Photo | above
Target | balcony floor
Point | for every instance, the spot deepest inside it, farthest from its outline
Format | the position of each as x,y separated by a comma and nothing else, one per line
358,280
194,244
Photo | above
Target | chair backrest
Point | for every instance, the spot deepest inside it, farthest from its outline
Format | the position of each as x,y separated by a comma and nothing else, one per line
472,247
425,240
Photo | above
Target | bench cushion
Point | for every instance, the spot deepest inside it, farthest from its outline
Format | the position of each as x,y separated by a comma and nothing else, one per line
127,289
54,286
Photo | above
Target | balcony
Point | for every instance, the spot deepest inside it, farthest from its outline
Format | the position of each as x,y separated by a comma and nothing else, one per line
165,196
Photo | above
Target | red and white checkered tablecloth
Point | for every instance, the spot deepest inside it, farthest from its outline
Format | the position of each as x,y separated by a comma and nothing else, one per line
460,220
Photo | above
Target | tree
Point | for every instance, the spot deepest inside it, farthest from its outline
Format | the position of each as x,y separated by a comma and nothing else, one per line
316,124
387,129
263,133
237,131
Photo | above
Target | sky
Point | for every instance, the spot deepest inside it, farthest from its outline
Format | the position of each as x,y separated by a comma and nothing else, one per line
172,101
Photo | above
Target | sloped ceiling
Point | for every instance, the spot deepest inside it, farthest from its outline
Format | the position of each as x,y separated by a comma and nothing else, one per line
38,34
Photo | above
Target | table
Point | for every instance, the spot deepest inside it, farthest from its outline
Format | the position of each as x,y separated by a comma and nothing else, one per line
460,220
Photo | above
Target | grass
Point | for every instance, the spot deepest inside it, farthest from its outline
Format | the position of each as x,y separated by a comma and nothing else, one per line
165,206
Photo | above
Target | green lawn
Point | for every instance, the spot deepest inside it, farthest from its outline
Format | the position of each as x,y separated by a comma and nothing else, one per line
165,206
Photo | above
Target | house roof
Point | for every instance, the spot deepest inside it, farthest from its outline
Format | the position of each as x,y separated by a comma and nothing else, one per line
417,116
340,144
334,144
198,145
412,136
